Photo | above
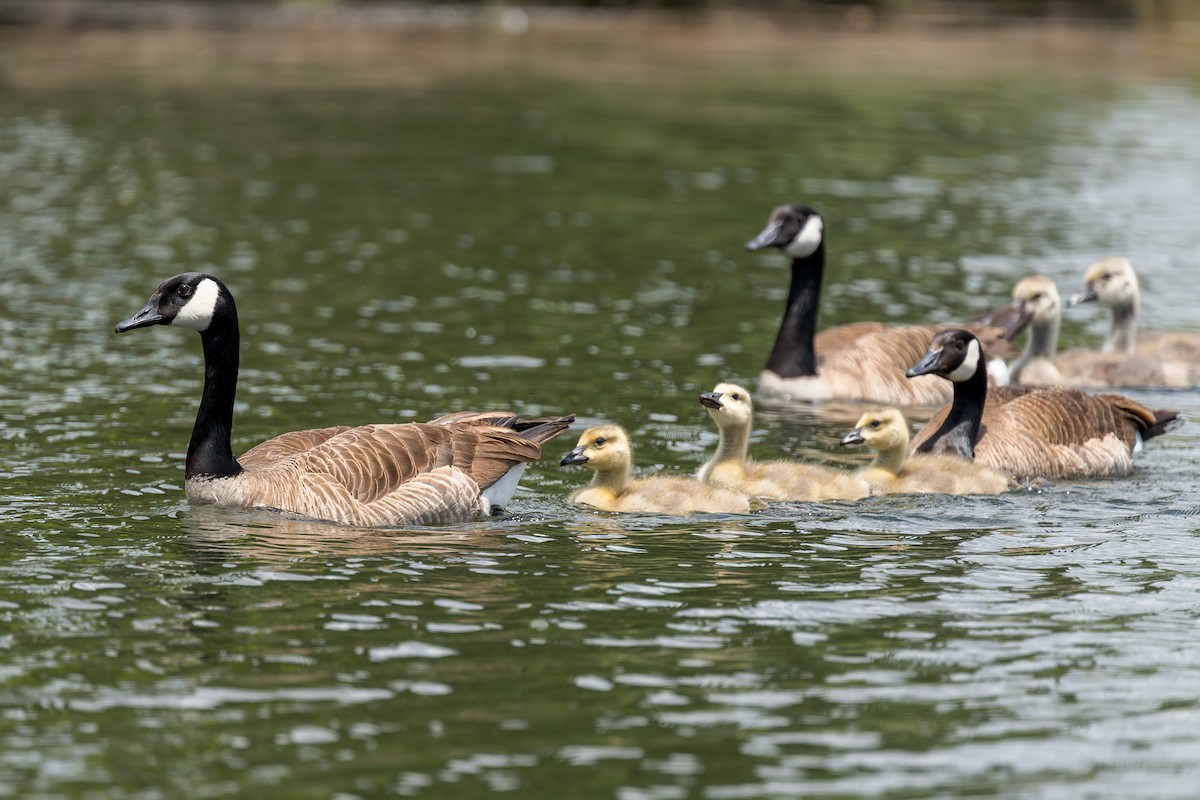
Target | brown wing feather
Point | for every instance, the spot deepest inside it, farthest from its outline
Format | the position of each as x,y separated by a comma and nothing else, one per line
286,446
867,360
1055,432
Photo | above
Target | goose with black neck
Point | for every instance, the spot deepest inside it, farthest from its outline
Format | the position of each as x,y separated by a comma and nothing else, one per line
862,361
453,469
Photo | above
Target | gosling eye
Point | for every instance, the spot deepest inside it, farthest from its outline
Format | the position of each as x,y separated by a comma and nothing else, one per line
1037,297
736,396
599,441
875,423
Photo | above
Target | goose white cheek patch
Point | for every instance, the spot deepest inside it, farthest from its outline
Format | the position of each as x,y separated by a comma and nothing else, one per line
808,239
970,363
197,314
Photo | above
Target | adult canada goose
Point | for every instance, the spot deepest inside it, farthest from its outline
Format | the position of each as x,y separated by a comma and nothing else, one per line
1030,433
450,470
894,471
606,450
1156,358
1037,301
860,361
730,407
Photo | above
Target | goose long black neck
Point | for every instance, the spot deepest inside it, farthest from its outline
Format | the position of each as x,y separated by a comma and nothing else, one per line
959,432
793,355
210,453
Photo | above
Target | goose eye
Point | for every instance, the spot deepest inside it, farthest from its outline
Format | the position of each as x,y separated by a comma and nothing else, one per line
599,441
185,290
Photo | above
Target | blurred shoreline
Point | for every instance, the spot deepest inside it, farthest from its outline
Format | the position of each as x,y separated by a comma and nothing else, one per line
79,42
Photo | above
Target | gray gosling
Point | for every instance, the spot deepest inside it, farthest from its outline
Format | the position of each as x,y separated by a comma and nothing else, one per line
731,408
1158,358
894,471
605,449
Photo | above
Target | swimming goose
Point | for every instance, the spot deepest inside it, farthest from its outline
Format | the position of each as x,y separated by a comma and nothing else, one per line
731,408
1030,433
1156,358
606,449
859,361
894,471
450,470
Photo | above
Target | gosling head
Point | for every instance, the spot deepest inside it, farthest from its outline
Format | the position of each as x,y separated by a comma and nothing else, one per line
190,300
602,447
1111,282
953,354
729,405
881,429
1037,298
797,230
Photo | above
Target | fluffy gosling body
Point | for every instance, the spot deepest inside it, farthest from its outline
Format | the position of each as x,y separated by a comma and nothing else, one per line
606,450
894,471
731,408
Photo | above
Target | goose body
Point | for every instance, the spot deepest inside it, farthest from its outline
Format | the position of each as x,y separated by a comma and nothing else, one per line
453,469
895,471
606,450
1152,359
862,361
731,408
1055,433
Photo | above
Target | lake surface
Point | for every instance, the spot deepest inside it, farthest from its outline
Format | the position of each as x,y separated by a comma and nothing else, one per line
549,243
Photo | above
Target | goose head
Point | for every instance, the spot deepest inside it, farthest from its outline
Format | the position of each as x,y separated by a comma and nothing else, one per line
602,448
190,300
729,405
1111,282
953,354
881,429
797,230
1037,299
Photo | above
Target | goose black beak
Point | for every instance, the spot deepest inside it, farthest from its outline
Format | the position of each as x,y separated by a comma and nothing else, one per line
768,238
710,399
1085,295
576,456
146,316
853,437
931,364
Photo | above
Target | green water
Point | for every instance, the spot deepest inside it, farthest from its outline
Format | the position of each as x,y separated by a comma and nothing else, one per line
557,246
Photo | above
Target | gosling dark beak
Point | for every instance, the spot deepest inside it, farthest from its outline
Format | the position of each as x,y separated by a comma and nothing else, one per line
931,364
710,399
1015,323
145,317
768,238
853,437
1085,295
576,456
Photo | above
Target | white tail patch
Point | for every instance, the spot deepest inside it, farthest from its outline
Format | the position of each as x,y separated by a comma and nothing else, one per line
499,493
808,239
197,313
970,363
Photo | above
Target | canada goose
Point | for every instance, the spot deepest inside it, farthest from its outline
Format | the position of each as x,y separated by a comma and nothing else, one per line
1156,358
450,470
860,361
730,407
894,471
1030,433
606,449
1037,300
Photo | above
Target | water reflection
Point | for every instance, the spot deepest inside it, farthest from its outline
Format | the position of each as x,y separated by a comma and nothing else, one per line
1038,643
